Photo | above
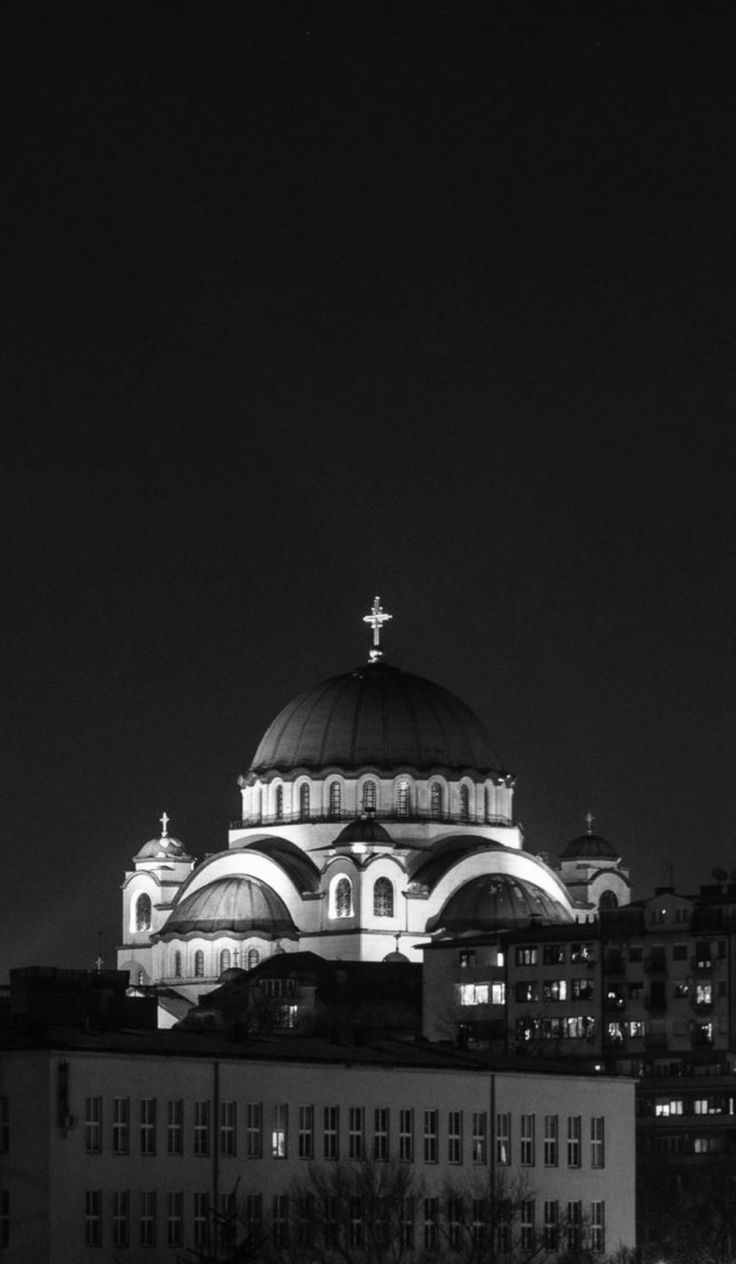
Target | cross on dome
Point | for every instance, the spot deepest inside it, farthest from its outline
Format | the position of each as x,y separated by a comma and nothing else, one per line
164,825
376,618
590,818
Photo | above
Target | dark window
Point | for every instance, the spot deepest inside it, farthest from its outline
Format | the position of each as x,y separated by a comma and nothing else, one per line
369,796
435,799
335,798
143,913
304,802
383,898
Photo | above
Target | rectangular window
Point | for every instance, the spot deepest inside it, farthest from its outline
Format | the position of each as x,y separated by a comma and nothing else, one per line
406,1228
430,1136
92,1217
120,1125
703,993
175,1126
254,1216
551,1139
582,990
527,992
92,1124
503,1138
666,1106
201,1222
280,1132
305,1221
148,1125
574,1136
597,1141
254,1130
329,1220
679,952
201,1128
479,1223
431,1228
467,958
280,1219
454,1221
598,1226
356,1132
574,1225
553,954
527,1141
305,1134
356,1227
503,1226
148,1218
480,1134
380,1133
331,1133
554,990
120,1217
4,1124
406,1136
4,1218
174,1219
526,1224
228,1129
527,956
551,1224
455,1136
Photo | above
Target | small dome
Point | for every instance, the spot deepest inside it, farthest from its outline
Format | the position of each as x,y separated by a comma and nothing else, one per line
364,829
375,717
161,848
240,905
590,847
497,901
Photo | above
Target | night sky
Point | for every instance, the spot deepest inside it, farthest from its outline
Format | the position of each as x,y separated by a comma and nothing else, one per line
304,303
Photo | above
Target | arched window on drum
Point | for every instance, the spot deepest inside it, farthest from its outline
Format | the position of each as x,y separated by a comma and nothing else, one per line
343,898
403,800
383,898
304,802
369,796
435,801
199,964
225,960
177,965
253,958
143,912
464,803
279,803
335,798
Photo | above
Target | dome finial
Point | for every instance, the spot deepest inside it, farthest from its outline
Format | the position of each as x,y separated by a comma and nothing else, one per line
164,825
376,618
589,819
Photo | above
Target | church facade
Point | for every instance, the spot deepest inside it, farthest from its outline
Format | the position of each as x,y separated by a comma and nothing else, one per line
375,813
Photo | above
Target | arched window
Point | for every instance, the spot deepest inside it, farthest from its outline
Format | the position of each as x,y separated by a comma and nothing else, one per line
464,803
402,798
224,960
608,900
199,964
143,912
369,796
383,898
141,978
343,898
279,803
335,798
304,801
177,965
435,800
254,957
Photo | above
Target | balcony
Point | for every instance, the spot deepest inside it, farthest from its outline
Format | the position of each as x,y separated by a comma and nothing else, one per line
410,818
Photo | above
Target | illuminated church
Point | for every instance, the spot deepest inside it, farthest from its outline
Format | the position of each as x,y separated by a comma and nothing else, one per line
375,813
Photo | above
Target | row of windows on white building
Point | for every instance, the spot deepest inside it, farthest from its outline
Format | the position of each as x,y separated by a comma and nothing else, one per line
402,800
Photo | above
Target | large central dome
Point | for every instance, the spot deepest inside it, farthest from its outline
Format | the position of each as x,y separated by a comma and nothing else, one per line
377,717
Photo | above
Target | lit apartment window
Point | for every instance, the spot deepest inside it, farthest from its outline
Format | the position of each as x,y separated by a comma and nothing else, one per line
527,1141
406,1136
174,1219
553,954
280,1219
598,1226
554,990
175,1126
331,1133
527,992
92,1125
551,1224
480,1134
703,993
120,1217
574,1135
120,1125
5,1124
430,1136
356,1132
403,802
148,1125
527,956
467,958
383,898
503,1138
92,1217
380,1133
201,1221
582,990
305,1132
666,1106
455,1136
597,1141
201,1128
148,1218
551,1139
574,1225
526,1224
431,1227
254,1130
228,1128
280,1132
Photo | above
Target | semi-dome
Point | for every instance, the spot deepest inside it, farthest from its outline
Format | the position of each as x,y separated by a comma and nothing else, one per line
497,901
590,847
240,905
364,829
375,717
